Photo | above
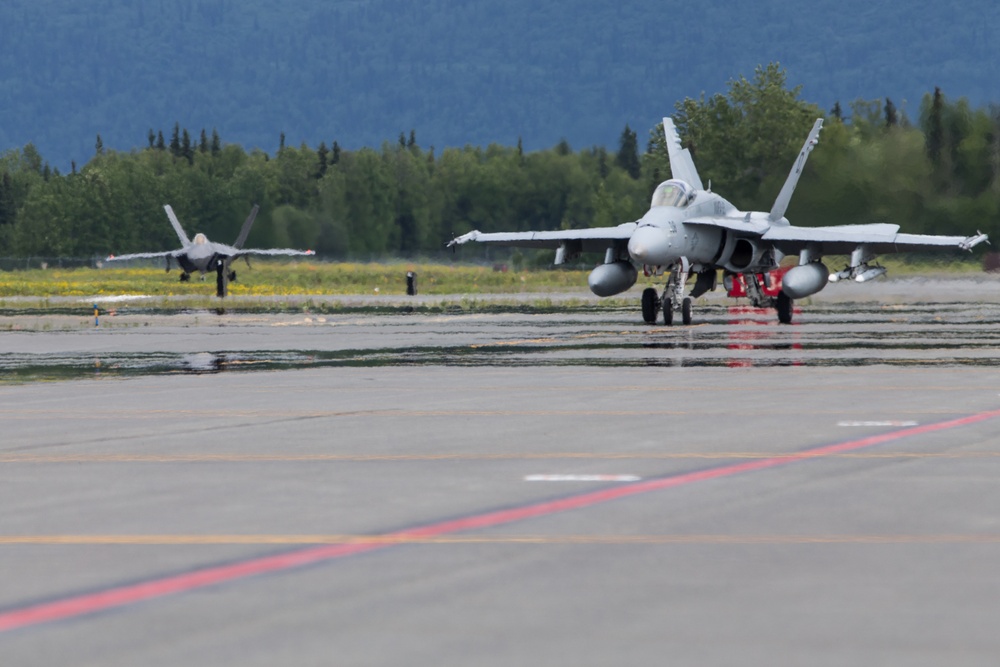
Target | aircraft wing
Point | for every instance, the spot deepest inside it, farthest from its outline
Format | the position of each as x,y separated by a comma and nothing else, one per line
144,255
751,226
271,251
595,239
844,239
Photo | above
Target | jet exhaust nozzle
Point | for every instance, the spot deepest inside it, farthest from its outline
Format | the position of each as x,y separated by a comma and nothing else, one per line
805,280
613,278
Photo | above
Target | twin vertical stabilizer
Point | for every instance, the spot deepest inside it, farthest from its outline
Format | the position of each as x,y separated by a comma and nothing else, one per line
785,196
681,165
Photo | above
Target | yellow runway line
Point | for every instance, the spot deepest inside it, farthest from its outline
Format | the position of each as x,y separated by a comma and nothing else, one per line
124,415
275,457
188,540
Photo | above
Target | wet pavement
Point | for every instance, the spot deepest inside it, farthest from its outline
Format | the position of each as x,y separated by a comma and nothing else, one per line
822,335
541,485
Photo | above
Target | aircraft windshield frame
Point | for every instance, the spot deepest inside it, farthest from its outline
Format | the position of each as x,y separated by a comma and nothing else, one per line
670,193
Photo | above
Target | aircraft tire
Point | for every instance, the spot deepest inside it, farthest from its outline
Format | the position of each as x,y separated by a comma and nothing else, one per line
649,305
784,308
686,310
668,311
220,279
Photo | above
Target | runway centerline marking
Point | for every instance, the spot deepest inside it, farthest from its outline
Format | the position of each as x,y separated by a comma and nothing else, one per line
581,478
877,423
112,597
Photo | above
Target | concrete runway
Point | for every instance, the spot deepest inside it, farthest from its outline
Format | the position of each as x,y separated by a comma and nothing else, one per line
497,489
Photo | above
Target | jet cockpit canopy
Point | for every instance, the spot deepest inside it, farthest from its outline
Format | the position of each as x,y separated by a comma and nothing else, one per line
671,193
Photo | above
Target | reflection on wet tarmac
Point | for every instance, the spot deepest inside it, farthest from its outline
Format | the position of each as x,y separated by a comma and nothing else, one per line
918,335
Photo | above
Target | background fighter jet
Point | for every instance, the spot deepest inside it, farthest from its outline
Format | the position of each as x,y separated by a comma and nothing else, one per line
203,255
692,231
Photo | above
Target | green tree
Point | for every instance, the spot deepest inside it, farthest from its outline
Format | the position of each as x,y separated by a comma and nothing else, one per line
932,121
8,210
216,147
175,141
187,152
891,118
744,141
323,154
628,153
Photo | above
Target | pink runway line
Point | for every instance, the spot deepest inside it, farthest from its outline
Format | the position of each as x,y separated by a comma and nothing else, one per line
74,606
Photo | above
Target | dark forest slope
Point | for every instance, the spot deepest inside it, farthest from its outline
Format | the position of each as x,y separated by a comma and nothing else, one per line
457,71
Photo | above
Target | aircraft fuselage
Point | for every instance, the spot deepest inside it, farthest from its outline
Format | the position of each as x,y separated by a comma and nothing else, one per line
662,237
201,254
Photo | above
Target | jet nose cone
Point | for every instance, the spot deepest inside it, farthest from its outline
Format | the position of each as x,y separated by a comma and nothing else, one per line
649,245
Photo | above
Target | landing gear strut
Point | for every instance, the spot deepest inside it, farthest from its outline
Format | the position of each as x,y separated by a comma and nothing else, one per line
668,309
221,278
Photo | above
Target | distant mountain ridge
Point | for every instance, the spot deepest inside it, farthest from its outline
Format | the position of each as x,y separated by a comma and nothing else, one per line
456,71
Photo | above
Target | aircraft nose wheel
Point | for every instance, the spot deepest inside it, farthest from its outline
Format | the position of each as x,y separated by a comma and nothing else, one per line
668,310
652,305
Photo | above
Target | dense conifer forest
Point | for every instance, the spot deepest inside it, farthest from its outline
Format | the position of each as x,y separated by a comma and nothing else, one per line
458,71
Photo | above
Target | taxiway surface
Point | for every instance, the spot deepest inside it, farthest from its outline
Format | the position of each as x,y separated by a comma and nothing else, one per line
511,488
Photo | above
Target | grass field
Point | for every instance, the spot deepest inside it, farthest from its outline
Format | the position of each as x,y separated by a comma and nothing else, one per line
308,278
278,278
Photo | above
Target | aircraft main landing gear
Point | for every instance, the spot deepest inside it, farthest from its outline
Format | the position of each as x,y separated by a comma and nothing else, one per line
783,305
221,278
686,310
649,305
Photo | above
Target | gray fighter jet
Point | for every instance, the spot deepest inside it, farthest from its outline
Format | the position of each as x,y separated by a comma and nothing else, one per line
203,255
691,231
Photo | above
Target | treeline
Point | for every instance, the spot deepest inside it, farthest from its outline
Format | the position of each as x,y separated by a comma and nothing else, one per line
938,173
399,200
